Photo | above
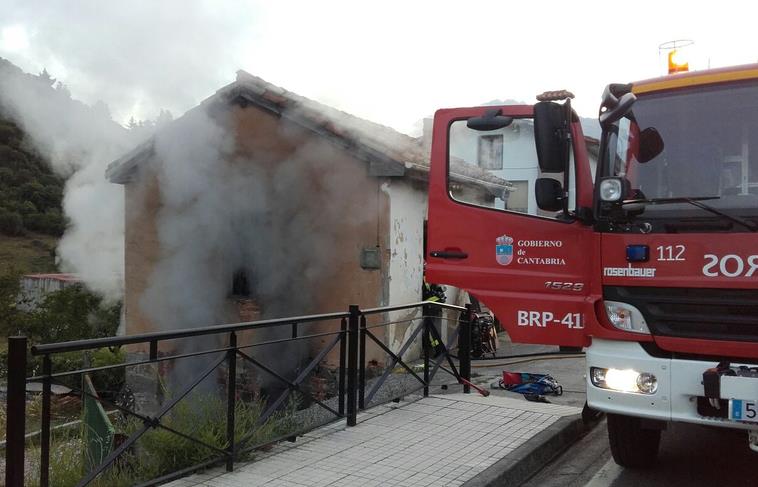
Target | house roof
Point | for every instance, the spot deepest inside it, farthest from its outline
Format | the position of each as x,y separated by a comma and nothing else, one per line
63,277
387,151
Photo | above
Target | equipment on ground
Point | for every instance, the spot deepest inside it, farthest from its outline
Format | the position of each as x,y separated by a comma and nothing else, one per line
529,383
483,335
481,390
534,387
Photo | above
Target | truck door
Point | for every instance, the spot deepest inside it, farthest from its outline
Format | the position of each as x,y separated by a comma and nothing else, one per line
487,235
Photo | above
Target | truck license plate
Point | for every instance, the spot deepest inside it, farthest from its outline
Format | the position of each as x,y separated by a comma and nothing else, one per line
742,410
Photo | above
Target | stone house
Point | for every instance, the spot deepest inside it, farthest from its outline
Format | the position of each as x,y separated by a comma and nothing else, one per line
260,203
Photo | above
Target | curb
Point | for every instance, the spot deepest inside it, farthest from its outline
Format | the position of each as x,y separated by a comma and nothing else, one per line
521,464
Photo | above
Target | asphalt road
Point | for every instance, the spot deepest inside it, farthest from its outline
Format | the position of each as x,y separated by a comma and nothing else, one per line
567,369
690,455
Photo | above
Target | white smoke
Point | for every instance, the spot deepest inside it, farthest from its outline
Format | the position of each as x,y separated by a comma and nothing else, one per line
276,214
136,57
79,142
223,210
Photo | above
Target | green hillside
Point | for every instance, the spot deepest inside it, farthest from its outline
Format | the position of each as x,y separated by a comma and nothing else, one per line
30,193
28,254
31,219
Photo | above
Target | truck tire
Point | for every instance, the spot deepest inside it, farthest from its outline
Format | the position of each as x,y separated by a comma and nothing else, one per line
631,445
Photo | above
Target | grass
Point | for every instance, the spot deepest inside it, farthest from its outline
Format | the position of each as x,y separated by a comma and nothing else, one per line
32,253
158,451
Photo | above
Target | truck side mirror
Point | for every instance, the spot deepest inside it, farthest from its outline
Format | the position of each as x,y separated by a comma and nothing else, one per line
550,136
651,144
491,120
549,194
617,101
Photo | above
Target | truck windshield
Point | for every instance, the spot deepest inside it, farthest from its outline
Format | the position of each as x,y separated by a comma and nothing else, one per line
710,138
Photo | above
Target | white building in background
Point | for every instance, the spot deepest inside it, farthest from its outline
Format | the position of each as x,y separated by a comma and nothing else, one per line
35,287
509,154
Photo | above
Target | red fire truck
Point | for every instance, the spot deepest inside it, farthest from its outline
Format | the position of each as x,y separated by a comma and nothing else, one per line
642,248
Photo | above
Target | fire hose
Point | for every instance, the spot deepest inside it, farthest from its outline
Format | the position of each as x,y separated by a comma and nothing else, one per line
461,380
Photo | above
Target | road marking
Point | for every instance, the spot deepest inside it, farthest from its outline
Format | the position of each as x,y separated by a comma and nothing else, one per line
606,475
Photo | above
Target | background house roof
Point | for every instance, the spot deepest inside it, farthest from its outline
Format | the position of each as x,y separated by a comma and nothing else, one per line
387,151
63,277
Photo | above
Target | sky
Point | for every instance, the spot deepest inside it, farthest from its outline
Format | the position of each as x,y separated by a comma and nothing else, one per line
392,62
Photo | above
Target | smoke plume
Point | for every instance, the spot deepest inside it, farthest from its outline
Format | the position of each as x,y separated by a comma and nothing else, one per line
224,210
79,141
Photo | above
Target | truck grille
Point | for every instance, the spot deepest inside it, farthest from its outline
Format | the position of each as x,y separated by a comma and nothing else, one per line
713,314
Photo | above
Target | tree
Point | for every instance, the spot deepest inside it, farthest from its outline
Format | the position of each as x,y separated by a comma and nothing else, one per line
62,89
69,314
11,223
45,77
101,110
163,118
12,319
28,187
72,313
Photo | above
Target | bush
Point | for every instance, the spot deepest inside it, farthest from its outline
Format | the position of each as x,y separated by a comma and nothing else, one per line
27,208
51,222
72,313
11,223
27,177
108,383
158,451
10,134
3,421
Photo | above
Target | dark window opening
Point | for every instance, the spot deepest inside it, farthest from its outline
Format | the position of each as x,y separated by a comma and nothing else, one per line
240,283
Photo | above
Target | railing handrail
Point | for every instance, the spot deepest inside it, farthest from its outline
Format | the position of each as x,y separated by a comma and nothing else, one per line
92,343
385,309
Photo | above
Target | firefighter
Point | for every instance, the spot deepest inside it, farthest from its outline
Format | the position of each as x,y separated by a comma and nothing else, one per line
433,293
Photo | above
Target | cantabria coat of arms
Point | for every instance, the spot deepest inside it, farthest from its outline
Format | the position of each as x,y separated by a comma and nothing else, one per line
504,250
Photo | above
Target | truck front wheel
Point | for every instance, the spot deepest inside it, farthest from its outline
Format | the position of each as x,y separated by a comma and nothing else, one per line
631,445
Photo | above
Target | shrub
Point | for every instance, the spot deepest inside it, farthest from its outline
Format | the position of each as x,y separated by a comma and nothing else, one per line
11,223
159,452
10,134
72,313
108,383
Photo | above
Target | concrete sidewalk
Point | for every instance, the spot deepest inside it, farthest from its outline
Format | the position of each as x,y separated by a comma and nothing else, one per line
445,440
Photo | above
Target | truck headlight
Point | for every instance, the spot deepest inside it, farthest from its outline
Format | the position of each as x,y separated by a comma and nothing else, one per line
624,380
626,317
611,189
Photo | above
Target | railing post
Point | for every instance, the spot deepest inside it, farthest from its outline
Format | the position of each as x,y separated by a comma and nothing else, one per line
342,371
464,347
352,364
16,410
44,464
362,364
231,399
426,345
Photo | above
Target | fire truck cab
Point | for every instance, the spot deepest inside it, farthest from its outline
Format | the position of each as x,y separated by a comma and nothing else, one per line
646,254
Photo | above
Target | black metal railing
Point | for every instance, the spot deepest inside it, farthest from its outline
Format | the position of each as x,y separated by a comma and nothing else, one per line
423,326
348,333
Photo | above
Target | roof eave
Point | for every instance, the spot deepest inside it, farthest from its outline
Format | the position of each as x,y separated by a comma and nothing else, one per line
380,164
125,169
